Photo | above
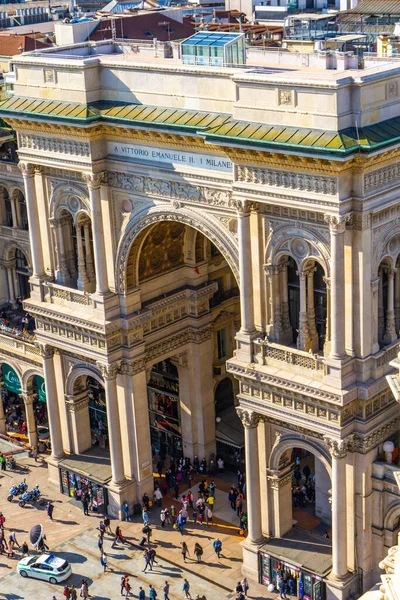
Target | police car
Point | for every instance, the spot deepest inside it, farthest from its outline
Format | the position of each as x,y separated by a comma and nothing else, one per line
47,567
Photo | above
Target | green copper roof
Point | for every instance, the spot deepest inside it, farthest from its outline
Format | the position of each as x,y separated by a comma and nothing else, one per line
214,127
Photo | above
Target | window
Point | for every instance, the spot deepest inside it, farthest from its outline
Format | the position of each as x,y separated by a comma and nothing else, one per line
221,344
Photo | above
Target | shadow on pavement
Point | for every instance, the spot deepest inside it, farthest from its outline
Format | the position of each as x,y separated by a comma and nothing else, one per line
73,557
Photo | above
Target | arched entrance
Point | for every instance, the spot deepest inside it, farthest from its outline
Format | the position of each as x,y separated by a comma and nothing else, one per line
40,411
22,273
165,410
229,429
179,274
13,404
299,516
97,413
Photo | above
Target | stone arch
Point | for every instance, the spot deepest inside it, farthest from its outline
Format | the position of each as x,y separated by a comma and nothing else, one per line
387,246
302,245
27,377
9,252
205,223
80,370
392,517
290,441
13,364
73,199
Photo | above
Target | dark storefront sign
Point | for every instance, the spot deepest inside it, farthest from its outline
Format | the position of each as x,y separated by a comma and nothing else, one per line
74,485
306,585
11,379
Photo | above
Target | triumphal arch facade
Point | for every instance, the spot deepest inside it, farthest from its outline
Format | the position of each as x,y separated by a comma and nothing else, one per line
225,224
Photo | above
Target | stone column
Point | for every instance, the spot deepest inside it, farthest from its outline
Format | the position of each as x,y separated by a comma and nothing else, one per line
275,323
27,397
63,275
33,219
11,290
375,283
83,279
53,411
312,329
284,294
381,309
337,227
303,340
88,250
109,373
245,271
80,422
18,211
250,422
390,330
14,212
328,309
338,450
93,181
3,216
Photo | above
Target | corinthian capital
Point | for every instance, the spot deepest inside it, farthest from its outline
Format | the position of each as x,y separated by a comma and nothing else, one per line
45,350
108,371
337,223
338,448
27,169
94,180
249,419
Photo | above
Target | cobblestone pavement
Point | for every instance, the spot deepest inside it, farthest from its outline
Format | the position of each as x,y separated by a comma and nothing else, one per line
74,536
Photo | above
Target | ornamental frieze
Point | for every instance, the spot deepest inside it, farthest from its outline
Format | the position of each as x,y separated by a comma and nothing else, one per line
382,177
318,184
56,145
171,189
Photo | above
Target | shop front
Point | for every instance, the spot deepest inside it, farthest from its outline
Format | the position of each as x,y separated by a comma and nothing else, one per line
301,583
164,410
97,414
76,486
14,409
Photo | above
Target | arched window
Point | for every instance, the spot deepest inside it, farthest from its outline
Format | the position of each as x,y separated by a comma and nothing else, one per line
22,271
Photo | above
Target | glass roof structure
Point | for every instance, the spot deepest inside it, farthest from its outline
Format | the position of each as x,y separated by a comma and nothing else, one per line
214,48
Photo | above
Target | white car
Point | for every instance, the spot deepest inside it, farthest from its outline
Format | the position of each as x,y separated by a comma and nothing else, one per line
47,567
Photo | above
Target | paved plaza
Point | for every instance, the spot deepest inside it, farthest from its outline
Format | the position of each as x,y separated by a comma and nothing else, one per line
74,536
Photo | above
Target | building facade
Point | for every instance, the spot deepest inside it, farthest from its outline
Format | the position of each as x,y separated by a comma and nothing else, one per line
200,231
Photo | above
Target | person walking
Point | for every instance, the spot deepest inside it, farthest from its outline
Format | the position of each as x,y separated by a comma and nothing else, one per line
24,549
217,545
209,515
84,589
152,593
232,497
184,550
50,509
13,539
123,583
198,551
100,543
125,510
142,594
166,590
281,584
118,536
245,586
186,588
145,516
73,594
152,554
66,592
162,518
147,560
85,506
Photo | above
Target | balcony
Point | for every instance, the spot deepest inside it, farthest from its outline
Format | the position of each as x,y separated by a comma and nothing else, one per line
271,354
